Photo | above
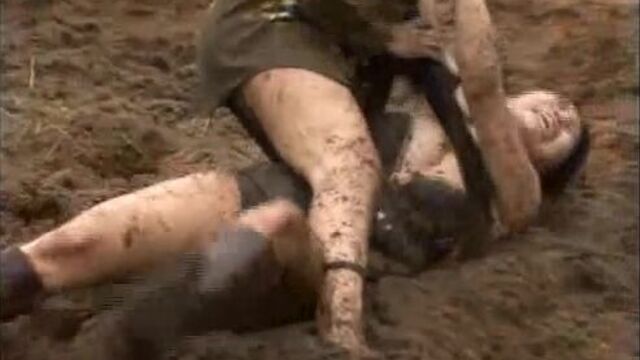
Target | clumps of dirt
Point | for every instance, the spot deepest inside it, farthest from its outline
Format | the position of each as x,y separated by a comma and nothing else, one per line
97,102
123,148
25,202
56,166
31,203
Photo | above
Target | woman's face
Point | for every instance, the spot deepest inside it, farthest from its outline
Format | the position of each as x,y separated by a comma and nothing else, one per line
549,124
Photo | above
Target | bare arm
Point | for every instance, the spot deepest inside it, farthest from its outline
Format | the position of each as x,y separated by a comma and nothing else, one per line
517,183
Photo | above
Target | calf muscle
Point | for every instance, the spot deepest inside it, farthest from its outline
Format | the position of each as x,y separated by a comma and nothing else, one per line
317,127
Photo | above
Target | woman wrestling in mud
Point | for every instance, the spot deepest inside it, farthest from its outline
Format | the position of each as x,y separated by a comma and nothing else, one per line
287,69
249,227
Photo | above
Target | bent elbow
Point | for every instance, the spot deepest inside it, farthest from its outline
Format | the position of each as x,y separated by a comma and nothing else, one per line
517,213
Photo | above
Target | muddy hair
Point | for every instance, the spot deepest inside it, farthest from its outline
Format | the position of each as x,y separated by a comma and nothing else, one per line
556,180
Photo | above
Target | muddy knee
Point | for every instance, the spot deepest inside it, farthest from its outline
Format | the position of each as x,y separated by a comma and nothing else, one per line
353,167
345,191
353,185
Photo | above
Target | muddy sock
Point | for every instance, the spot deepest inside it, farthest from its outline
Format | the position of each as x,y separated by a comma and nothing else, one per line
235,284
19,284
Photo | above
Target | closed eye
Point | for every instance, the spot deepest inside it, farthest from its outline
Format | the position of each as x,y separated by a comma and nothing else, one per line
550,121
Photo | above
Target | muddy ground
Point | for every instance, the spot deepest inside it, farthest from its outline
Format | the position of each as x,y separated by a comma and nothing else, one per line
96,101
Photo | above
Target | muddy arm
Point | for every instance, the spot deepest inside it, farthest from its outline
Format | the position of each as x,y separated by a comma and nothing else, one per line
518,193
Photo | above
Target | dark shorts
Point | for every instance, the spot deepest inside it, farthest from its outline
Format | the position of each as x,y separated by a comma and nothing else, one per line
239,41
267,181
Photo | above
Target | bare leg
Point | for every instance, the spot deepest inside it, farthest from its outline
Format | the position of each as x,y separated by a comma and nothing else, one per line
318,128
517,183
295,246
263,270
134,230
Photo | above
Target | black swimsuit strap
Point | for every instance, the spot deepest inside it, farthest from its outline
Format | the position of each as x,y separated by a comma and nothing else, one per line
439,86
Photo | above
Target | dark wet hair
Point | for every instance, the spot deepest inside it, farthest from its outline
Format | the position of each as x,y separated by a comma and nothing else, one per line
423,220
556,180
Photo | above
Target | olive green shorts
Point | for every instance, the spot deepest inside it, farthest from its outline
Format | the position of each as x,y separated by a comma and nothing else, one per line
240,39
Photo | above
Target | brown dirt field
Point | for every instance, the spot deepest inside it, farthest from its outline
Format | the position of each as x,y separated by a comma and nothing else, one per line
96,101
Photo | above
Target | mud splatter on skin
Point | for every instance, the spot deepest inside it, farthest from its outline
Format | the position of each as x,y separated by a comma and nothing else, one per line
133,230
127,240
554,307
164,224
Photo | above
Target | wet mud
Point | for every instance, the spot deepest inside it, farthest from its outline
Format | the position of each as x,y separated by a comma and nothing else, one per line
97,100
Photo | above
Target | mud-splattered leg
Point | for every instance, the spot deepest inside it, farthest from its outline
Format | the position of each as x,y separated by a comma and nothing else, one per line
135,230
318,128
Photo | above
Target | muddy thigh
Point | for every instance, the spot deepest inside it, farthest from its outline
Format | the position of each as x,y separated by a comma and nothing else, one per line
134,230
318,128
